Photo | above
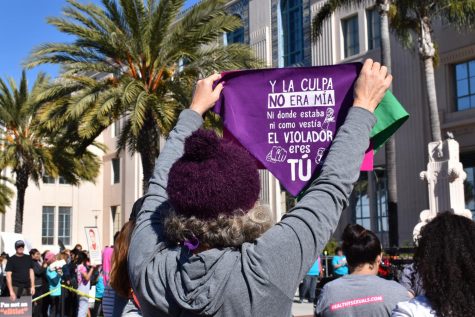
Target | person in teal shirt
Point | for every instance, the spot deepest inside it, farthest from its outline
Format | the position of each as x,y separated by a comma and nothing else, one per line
53,275
99,295
308,287
340,267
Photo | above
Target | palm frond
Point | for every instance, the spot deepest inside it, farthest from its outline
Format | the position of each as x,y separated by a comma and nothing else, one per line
6,193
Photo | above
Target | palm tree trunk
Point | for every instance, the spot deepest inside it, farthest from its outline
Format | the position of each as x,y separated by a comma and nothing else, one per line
148,164
431,93
21,184
427,51
149,148
390,148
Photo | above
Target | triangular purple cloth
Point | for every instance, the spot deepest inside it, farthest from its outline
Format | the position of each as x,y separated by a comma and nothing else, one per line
288,117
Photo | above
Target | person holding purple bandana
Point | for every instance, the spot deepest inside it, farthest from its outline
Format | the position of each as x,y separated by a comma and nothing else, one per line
204,246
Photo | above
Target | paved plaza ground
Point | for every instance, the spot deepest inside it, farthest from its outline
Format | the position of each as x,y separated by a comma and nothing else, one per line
302,309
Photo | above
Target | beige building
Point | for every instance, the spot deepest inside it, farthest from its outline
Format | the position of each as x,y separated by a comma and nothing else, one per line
279,33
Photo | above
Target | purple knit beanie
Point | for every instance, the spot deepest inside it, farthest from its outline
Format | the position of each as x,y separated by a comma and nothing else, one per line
212,177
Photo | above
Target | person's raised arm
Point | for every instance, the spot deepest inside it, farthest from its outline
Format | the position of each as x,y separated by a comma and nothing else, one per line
285,252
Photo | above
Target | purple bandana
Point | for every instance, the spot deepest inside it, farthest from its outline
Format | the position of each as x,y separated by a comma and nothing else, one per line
287,118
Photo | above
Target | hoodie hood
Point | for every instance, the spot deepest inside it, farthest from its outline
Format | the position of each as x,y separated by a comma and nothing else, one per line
199,280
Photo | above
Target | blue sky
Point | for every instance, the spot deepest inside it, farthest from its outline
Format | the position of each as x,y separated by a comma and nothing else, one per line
23,26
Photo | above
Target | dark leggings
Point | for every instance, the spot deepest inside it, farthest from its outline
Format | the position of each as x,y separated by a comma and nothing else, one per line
38,305
55,306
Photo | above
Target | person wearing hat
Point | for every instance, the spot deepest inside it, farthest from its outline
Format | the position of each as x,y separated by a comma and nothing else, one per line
53,276
203,246
20,274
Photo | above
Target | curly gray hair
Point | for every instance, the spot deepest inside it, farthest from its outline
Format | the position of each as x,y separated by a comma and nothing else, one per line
223,231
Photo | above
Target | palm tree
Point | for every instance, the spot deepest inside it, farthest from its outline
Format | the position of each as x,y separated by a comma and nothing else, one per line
390,148
26,151
416,17
136,61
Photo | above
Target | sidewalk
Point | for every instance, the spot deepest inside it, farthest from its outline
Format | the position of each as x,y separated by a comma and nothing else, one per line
304,309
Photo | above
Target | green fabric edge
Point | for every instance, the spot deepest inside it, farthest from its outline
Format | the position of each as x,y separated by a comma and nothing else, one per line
391,116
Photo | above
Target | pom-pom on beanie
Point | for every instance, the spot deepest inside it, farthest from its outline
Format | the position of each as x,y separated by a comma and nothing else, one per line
212,177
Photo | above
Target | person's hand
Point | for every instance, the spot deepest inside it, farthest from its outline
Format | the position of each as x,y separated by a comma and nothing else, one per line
12,296
205,97
32,290
371,85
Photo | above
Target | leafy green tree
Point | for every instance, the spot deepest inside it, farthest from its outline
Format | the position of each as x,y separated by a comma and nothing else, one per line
138,61
390,148
416,17
27,151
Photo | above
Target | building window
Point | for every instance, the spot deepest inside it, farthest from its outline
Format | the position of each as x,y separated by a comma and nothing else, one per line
63,181
351,41
470,190
116,170
47,232
365,201
48,179
362,211
236,36
64,225
373,22
382,201
116,219
292,29
116,128
465,85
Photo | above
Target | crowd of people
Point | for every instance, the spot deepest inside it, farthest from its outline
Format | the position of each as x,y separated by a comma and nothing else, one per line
59,283
199,243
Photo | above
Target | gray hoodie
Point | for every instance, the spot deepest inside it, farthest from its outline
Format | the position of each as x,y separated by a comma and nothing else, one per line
257,279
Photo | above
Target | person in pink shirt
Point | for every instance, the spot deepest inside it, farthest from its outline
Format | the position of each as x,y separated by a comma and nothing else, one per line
107,263
83,276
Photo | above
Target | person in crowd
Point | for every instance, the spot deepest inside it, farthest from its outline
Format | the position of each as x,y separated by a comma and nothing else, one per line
308,287
99,294
411,280
53,275
109,293
125,303
445,261
78,247
39,268
70,279
361,293
3,274
340,266
46,300
83,277
20,274
202,246
115,304
107,261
